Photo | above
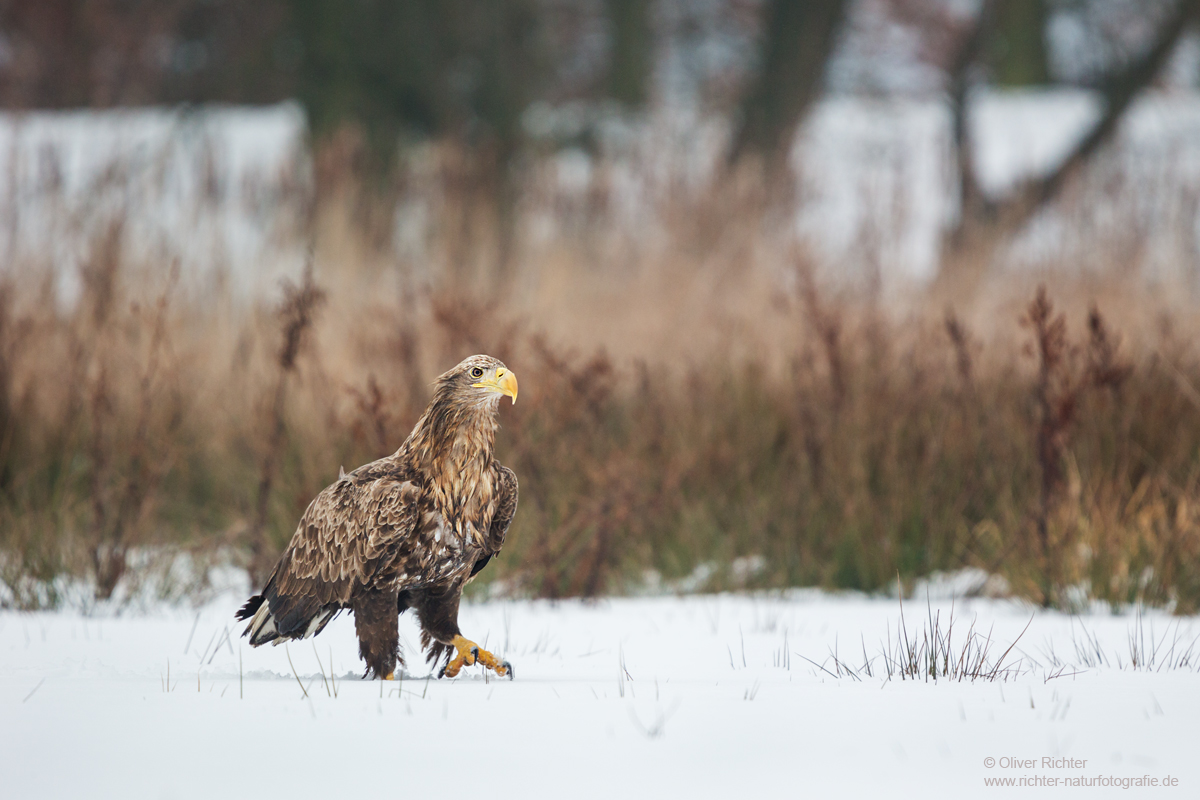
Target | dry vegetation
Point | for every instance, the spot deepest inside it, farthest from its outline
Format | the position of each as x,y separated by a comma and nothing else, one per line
705,402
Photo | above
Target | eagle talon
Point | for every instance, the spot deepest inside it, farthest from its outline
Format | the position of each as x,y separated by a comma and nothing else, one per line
468,654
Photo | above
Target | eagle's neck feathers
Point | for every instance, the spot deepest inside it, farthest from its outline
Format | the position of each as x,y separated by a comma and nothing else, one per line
451,447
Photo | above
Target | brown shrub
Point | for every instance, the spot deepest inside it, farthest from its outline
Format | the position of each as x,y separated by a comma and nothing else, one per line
810,438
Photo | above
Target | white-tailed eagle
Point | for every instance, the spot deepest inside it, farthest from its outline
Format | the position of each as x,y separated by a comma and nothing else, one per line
406,531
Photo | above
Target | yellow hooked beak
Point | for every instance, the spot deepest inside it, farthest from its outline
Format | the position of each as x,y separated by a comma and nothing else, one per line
504,382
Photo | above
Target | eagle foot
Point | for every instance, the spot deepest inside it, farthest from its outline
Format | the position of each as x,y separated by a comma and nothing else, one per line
468,653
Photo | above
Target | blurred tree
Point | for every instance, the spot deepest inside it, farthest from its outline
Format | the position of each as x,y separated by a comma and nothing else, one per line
380,63
986,223
63,53
630,52
1018,46
797,41
228,51
466,68
77,53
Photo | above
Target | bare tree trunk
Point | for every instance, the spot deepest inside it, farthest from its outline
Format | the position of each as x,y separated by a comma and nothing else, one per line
297,314
984,226
1018,48
971,198
798,39
630,58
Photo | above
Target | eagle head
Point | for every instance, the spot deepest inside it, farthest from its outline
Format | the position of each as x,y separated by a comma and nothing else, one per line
479,380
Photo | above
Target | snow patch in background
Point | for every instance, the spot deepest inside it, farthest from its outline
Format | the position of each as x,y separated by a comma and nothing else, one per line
223,189
214,187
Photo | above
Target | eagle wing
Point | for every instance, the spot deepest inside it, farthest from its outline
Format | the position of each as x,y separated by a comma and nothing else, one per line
506,508
351,537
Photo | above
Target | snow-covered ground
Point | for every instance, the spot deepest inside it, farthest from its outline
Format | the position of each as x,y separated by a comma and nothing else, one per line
703,696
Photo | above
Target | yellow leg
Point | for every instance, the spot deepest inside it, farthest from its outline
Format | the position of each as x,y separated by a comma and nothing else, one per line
391,676
468,653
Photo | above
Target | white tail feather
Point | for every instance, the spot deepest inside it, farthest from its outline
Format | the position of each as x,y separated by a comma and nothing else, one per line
262,624
316,622
263,627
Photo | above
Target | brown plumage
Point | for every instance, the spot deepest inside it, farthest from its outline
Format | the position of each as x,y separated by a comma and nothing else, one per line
406,531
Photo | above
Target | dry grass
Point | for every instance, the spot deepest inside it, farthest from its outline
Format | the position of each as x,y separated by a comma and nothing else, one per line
930,653
693,399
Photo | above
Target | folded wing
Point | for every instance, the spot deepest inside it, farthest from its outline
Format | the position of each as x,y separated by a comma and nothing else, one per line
350,539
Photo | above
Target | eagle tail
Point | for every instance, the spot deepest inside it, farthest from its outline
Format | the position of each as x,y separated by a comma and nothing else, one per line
265,627
247,611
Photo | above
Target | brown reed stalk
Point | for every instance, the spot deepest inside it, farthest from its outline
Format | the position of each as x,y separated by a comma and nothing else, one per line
1056,396
297,315
1059,391
12,339
960,339
1105,369
374,424
117,520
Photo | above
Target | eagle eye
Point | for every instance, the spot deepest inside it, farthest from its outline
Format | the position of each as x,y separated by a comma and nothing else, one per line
476,372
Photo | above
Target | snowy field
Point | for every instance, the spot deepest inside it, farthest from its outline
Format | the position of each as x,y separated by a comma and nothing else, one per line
703,696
